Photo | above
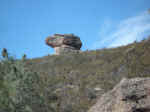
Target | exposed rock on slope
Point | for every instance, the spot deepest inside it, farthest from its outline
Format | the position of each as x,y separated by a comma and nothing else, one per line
64,43
130,95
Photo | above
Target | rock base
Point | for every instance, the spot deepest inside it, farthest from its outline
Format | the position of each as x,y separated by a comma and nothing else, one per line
65,50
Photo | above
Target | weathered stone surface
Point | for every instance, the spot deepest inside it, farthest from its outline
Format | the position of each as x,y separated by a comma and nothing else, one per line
130,95
64,43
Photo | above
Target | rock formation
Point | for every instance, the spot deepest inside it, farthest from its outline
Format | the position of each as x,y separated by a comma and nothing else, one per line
131,95
64,43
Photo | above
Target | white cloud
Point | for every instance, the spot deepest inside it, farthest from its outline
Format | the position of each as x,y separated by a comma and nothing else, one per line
127,31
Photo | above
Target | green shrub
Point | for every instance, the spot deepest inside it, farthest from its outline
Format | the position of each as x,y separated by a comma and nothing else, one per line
20,88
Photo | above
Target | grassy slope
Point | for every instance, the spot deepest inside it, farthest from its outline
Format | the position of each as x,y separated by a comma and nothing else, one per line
73,77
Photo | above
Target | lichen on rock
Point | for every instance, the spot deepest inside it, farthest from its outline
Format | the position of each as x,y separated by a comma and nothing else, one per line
130,95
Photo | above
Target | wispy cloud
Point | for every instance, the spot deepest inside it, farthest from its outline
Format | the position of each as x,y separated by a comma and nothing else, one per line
127,31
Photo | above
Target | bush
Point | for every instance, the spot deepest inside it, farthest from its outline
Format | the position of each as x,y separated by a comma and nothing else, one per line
20,88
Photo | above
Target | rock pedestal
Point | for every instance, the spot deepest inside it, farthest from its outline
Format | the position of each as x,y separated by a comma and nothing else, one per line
67,43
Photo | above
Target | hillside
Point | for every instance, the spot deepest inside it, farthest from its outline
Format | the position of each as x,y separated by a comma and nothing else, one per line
73,82
94,69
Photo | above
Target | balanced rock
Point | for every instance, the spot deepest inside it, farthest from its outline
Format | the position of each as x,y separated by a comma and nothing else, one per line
130,95
64,43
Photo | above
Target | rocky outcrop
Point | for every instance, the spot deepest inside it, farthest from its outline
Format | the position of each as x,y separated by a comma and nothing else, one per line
130,95
64,43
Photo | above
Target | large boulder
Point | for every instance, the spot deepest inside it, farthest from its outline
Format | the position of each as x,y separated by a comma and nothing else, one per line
130,95
64,43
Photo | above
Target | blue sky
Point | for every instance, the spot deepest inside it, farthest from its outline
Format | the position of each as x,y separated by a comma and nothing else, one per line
24,24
